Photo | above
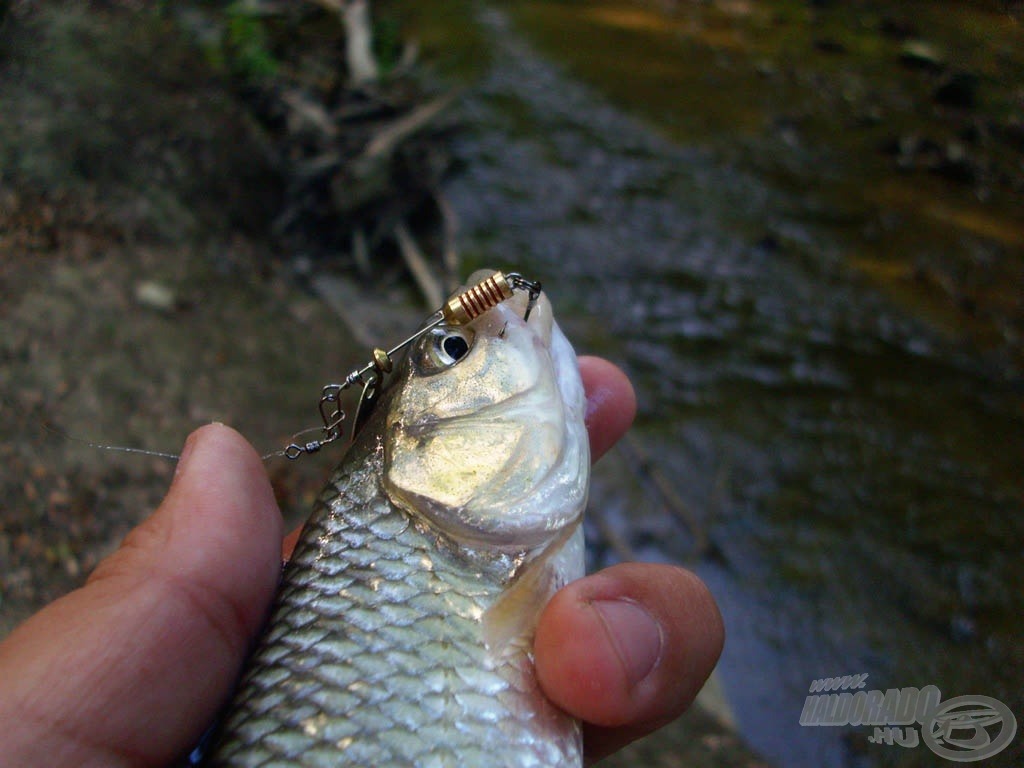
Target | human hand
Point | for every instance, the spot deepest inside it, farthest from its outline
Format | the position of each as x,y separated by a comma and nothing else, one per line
130,669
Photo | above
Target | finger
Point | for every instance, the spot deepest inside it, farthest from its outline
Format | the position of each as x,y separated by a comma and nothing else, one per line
627,649
131,668
611,406
611,403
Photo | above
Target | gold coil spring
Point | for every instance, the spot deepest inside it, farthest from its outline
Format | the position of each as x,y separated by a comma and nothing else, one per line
476,300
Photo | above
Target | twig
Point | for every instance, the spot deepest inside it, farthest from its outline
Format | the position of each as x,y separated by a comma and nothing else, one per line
360,252
338,294
410,55
612,538
362,65
421,272
450,256
641,465
355,17
388,138
315,167
309,113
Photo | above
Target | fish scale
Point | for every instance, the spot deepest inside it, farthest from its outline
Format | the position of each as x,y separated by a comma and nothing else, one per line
376,630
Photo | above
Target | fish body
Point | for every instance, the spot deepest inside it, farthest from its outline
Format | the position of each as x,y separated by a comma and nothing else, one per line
402,631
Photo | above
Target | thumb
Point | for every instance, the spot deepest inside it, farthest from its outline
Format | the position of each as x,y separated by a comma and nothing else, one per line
131,668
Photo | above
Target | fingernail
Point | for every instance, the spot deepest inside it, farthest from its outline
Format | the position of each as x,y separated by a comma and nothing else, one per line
186,451
596,399
634,634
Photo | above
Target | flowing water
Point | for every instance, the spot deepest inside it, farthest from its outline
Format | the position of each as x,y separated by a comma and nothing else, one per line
854,469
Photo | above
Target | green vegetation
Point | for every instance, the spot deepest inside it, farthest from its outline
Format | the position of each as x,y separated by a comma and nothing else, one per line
246,45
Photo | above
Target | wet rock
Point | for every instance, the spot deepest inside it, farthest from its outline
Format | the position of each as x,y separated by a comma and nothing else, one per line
920,54
154,295
958,89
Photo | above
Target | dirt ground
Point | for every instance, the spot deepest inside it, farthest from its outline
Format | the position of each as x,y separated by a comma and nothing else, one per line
80,352
128,169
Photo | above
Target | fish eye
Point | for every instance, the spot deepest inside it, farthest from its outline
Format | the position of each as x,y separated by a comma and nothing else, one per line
455,346
443,348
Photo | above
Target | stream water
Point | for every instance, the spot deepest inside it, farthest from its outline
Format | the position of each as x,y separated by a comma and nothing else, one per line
855,472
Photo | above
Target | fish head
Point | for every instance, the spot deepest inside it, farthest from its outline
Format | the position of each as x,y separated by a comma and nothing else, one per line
485,438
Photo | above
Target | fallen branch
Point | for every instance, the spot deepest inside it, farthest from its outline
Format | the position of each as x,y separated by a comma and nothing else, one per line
341,296
611,537
421,272
354,160
307,114
360,252
387,139
450,255
355,17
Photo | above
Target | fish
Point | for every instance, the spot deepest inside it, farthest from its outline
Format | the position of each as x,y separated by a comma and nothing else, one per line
401,634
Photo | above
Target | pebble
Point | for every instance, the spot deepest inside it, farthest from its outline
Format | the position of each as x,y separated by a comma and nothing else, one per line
920,54
154,295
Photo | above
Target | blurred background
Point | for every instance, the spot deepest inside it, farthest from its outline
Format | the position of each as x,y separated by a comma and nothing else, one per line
798,226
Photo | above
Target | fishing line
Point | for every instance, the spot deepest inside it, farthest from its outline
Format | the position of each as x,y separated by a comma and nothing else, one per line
10,405
158,454
51,428
120,448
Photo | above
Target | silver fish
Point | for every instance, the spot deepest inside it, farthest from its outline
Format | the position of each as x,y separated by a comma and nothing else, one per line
402,632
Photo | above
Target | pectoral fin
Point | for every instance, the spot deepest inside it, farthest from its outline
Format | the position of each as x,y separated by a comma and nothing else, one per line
514,616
